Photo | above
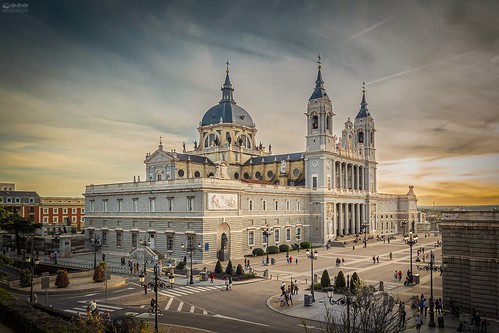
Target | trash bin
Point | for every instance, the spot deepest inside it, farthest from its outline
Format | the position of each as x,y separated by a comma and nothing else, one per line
416,278
272,261
307,300
440,321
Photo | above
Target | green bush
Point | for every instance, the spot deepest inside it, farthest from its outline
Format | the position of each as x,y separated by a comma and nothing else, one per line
325,279
25,279
283,248
317,286
239,270
305,245
229,270
99,273
354,282
340,283
62,279
295,246
258,251
273,249
218,267
181,265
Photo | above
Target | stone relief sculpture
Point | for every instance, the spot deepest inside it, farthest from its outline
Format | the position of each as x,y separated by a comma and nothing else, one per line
217,201
224,241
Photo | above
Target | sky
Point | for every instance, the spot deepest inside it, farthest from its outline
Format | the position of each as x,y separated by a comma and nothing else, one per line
88,87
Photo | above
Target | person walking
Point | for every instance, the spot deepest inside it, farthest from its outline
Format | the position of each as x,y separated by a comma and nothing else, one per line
227,283
296,287
374,259
212,275
290,260
93,308
425,307
296,262
377,259
391,256
145,289
418,321
230,282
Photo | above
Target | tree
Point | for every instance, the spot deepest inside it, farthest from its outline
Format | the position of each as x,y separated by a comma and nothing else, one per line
369,312
99,272
239,270
18,225
354,282
25,278
218,267
229,269
62,279
340,282
325,279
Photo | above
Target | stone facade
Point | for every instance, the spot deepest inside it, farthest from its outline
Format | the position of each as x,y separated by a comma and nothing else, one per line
230,186
470,250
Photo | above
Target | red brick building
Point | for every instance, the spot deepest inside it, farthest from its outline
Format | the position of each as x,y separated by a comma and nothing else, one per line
62,211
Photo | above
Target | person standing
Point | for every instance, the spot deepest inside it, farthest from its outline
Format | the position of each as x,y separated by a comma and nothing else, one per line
212,275
227,283
391,256
145,289
377,259
290,260
296,261
374,259
93,308
425,307
296,287
402,313
418,321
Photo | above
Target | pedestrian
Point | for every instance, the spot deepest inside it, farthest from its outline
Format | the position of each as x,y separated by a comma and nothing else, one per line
227,283
296,287
438,306
296,262
396,275
342,261
263,261
93,308
212,275
230,282
484,323
281,300
421,304
145,289
88,311
419,321
35,298
292,287
476,322
425,307
289,297
377,259
402,312
103,257
374,259
391,256
107,315
287,257
283,287
290,260
400,276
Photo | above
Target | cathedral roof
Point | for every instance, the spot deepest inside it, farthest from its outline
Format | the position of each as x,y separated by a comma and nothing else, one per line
319,90
227,111
274,158
363,111
194,158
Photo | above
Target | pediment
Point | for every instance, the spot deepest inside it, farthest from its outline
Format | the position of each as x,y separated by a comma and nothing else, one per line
159,156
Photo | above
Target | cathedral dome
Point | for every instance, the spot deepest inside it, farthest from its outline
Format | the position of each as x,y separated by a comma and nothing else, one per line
227,111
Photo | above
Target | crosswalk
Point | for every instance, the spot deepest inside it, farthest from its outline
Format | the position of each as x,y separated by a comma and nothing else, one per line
188,290
81,310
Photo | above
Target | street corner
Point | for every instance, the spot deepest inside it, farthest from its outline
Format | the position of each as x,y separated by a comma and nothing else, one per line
274,303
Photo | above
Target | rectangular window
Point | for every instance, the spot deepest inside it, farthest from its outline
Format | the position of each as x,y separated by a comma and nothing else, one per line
170,204
134,239
104,205
288,235
190,204
45,219
251,238
74,210
264,205
250,205
64,210
45,211
18,200
264,238
119,203
298,234
73,218
104,237
276,236
288,205
314,182
277,205
56,219
169,242
135,204
298,205
152,204
55,211
118,238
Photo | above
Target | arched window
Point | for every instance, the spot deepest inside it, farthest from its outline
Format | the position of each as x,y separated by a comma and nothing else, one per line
211,140
328,121
361,137
244,141
315,121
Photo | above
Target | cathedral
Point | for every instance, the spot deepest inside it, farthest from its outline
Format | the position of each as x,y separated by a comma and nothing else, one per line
230,194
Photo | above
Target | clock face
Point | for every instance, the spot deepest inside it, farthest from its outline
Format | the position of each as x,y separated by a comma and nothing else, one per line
314,163
296,172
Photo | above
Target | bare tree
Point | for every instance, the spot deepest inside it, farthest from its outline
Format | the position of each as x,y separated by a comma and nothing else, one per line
363,311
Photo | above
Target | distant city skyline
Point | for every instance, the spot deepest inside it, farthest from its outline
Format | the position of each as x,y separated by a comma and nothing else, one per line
87,88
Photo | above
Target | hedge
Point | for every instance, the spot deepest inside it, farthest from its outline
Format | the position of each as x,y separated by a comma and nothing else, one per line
305,245
283,248
273,249
258,251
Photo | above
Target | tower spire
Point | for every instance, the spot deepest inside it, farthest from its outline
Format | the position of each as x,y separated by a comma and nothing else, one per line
227,88
363,111
319,90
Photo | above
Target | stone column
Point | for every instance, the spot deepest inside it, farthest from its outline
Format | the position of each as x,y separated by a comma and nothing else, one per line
342,222
357,220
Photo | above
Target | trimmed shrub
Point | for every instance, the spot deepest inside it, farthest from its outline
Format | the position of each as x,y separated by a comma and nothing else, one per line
181,265
273,249
325,279
62,279
354,282
239,270
229,270
284,248
295,246
305,245
340,283
218,267
99,273
258,251
25,279
317,286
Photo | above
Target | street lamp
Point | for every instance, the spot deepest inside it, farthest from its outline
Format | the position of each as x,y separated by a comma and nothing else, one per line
95,242
190,249
142,278
364,226
56,237
156,295
32,263
298,238
343,301
144,244
267,233
312,256
430,267
410,240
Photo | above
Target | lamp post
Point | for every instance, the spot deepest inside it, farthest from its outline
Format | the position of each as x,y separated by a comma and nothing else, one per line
95,242
56,237
430,267
144,244
190,249
156,296
312,256
298,238
364,226
266,233
343,301
32,263
410,240
142,278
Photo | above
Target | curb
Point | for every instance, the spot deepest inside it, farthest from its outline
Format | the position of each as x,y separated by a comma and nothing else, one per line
61,291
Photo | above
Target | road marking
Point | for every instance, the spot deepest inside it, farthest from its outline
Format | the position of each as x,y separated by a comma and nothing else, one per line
180,305
121,290
241,320
170,301
90,295
131,313
192,309
205,312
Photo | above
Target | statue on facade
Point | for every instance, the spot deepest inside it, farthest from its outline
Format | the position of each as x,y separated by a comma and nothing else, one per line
224,241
